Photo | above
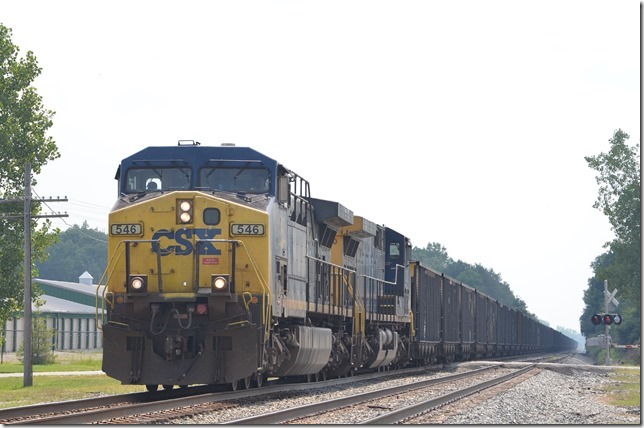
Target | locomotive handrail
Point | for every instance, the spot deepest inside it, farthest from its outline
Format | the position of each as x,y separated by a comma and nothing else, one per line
342,268
265,289
105,288
359,308
127,242
394,282
330,264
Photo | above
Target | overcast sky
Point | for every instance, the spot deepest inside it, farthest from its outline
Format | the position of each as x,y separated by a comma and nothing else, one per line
459,122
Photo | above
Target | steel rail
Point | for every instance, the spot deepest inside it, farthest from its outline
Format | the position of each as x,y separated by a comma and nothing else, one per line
149,402
36,411
308,410
416,409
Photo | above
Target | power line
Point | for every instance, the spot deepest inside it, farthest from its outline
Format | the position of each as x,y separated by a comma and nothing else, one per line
81,232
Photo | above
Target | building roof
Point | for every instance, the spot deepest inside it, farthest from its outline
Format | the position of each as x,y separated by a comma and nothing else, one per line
56,305
68,297
77,287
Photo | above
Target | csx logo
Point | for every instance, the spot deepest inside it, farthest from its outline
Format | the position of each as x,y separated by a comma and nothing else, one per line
183,240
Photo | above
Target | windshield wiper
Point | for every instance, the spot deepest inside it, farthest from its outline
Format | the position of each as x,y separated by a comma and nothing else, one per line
242,169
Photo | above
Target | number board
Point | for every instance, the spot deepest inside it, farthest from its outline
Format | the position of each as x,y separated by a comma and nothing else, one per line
126,229
246,229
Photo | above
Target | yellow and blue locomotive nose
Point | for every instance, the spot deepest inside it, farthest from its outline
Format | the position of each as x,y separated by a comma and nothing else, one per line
194,266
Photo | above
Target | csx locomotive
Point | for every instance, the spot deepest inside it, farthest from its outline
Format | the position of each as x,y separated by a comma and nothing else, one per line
223,269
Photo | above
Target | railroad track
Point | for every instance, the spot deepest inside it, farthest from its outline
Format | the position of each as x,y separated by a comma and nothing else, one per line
163,405
406,413
382,402
166,405
40,413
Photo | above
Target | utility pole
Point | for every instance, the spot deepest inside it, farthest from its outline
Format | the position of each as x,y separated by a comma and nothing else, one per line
28,369
27,318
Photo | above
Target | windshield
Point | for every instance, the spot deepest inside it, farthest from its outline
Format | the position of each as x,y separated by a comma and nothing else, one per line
151,179
241,179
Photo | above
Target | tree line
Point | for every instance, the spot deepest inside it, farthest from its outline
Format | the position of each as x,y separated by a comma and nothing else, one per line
485,280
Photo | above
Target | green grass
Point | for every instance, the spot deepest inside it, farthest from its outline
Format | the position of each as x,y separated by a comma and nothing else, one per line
68,362
627,392
47,389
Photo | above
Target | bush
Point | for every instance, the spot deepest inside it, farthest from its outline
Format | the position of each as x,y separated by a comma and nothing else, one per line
41,349
618,356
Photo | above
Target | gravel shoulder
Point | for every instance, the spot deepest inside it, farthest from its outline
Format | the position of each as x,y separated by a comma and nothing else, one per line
547,398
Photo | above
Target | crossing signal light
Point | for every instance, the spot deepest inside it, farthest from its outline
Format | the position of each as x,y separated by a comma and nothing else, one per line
606,319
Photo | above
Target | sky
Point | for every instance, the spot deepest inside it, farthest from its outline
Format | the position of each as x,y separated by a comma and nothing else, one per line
464,123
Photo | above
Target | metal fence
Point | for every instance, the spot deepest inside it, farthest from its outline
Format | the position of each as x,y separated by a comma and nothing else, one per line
68,332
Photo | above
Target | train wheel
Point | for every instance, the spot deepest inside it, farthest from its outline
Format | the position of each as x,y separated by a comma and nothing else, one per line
233,385
245,382
151,388
168,387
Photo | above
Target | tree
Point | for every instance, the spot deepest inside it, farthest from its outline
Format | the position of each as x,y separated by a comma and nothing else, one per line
619,199
618,176
24,123
78,249
476,276
619,187
434,256
42,351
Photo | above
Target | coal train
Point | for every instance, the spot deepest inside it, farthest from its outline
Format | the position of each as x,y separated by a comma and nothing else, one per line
223,269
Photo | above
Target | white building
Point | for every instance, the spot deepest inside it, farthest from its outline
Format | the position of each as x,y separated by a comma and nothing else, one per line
69,309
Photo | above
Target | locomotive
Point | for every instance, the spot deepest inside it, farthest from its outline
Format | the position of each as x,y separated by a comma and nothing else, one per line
223,269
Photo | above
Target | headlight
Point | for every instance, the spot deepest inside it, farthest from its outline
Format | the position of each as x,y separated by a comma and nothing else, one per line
220,284
138,284
184,211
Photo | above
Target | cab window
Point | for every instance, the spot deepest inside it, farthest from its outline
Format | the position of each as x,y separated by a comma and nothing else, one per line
247,180
394,250
154,179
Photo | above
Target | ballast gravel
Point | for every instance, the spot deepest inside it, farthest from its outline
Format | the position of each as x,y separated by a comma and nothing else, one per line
550,397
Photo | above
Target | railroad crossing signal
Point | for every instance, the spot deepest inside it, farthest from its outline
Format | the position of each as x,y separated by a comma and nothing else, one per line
606,319
609,298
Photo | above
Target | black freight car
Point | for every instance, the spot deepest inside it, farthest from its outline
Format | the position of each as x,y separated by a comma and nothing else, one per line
455,322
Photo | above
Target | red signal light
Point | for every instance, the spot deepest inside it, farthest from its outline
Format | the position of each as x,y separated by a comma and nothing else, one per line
596,319
607,319
202,308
